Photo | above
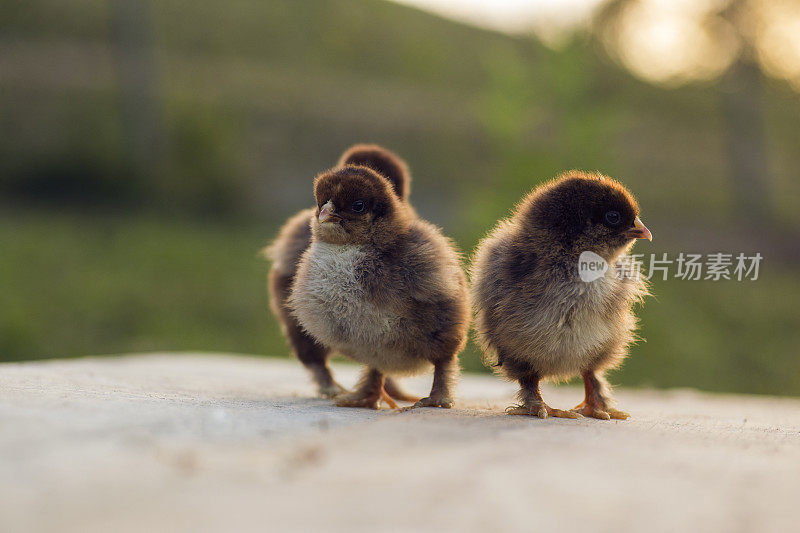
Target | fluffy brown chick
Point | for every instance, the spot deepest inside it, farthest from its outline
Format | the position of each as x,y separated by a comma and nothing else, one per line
294,238
381,286
536,319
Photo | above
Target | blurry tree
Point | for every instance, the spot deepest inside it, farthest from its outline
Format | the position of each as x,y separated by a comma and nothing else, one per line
734,42
742,107
142,115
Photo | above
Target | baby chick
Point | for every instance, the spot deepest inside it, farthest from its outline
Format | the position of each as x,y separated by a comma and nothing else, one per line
381,286
536,319
294,238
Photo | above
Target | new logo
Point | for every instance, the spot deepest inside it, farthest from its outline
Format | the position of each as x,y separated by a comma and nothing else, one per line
591,266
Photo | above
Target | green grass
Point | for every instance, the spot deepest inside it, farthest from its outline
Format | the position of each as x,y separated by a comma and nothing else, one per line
95,284
741,336
77,285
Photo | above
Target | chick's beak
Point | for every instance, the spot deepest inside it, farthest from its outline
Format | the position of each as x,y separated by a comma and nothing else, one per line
327,213
639,231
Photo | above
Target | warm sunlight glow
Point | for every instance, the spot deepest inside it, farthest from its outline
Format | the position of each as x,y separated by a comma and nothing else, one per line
778,39
550,20
666,41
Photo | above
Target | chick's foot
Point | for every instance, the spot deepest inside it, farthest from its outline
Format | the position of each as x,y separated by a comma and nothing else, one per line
331,390
597,402
370,399
359,399
444,402
369,392
540,409
600,412
323,378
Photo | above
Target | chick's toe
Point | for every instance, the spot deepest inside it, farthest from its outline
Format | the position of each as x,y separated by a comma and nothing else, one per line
601,413
542,410
617,414
331,391
432,401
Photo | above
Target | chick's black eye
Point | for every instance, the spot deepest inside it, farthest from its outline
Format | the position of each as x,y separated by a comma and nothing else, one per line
613,217
358,206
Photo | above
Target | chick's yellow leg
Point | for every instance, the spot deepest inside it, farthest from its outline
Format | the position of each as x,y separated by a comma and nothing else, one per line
386,397
369,392
597,403
532,404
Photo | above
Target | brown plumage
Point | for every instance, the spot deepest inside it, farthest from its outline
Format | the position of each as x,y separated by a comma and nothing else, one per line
536,319
381,286
293,239
382,161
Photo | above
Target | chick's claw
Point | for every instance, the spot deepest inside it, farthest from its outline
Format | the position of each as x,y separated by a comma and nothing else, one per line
617,414
606,413
541,410
430,401
592,412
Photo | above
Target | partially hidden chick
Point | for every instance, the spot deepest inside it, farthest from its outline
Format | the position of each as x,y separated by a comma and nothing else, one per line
381,286
535,317
294,238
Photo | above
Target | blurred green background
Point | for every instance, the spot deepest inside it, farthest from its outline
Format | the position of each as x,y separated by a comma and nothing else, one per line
148,150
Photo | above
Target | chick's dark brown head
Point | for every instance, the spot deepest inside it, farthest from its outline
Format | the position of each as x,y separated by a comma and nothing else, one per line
584,211
355,205
384,162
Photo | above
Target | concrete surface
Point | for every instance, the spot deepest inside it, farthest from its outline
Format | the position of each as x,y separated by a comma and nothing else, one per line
169,442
